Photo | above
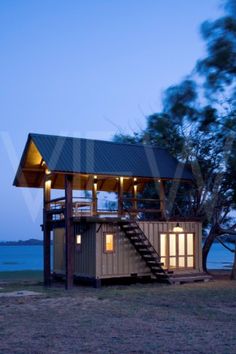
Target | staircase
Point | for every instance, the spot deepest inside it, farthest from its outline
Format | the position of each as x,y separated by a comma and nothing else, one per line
143,246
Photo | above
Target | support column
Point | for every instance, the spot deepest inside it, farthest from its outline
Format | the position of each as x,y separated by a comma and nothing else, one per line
47,232
120,195
162,199
70,240
94,195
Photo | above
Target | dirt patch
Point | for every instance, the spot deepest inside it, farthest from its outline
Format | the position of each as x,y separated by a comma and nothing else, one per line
19,293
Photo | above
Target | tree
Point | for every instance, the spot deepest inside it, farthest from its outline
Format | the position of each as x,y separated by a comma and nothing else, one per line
198,126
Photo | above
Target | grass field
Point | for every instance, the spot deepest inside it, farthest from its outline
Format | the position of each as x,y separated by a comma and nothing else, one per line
150,318
22,275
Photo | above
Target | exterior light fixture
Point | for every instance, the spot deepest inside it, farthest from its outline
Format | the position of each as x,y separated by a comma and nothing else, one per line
95,180
135,182
47,171
178,228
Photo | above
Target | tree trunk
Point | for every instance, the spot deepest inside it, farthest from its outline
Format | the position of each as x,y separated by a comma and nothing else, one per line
207,246
233,272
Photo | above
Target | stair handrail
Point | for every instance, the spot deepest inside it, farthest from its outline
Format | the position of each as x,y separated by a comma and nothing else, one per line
154,251
143,234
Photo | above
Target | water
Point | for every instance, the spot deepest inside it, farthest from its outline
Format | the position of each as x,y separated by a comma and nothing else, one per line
219,257
14,258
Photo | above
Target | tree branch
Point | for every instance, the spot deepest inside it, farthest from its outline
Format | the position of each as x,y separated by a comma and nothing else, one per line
222,243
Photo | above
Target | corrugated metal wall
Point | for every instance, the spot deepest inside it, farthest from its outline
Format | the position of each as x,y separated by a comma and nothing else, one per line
125,260
153,229
92,261
85,255
58,250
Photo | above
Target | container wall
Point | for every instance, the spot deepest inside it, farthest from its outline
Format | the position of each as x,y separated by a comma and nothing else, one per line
58,250
85,262
85,253
125,260
91,260
153,230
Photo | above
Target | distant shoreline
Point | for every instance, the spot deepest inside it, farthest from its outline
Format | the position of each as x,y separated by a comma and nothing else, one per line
30,242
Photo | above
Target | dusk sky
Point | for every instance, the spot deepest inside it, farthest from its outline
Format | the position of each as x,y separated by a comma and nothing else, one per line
85,68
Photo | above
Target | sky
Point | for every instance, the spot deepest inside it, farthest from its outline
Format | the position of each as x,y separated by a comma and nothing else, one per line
85,68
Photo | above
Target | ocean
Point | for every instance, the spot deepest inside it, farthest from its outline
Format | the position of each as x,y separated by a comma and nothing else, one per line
13,258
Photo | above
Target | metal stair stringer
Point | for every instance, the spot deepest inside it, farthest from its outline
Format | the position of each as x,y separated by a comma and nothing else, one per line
143,246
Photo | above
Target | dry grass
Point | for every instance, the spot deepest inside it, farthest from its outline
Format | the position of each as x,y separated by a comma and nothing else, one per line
193,318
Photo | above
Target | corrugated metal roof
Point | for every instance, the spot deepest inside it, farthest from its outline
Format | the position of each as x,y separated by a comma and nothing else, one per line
78,155
102,157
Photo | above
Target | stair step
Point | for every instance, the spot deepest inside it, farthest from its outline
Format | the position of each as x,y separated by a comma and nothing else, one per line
140,244
145,252
150,258
156,267
158,270
145,249
133,232
128,229
136,237
151,261
162,275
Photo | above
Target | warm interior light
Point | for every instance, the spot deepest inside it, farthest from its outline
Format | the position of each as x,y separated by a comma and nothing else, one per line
178,228
78,239
48,184
109,242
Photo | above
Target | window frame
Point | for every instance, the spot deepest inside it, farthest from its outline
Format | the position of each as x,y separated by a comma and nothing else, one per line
104,242
78,245
176,257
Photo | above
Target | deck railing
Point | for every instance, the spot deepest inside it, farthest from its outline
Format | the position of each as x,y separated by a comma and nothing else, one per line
141,208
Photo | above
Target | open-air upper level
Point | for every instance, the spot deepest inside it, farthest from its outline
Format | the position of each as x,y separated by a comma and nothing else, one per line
99,178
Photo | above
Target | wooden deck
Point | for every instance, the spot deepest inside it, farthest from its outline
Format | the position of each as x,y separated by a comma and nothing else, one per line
190,278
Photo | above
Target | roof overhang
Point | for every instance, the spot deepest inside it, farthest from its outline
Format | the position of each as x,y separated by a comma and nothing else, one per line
34,166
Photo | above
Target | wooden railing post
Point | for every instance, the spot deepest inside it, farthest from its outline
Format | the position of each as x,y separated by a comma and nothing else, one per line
46,232
70,241
162,199
120,195
94,195
135,202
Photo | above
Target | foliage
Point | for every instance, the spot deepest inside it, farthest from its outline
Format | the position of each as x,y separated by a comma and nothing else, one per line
198,126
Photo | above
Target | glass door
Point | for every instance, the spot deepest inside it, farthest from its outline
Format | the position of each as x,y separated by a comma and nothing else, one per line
177,250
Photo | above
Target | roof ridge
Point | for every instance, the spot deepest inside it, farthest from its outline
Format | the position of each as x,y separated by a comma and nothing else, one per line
100,141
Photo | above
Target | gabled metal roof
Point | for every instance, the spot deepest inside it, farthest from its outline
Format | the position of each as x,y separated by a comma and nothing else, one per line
86,156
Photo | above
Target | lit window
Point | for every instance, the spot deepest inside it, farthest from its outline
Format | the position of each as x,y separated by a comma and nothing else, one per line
78,242
109,243
78,239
